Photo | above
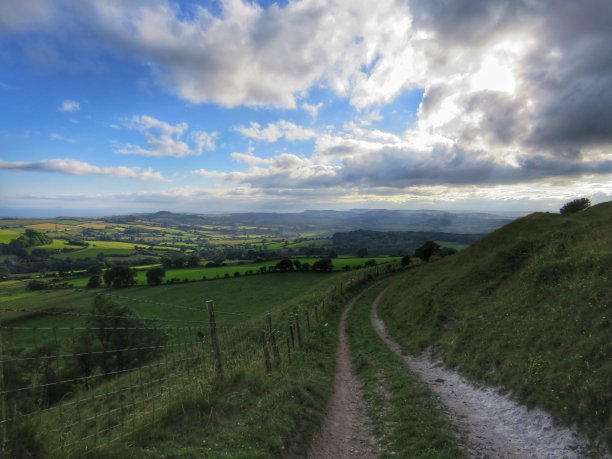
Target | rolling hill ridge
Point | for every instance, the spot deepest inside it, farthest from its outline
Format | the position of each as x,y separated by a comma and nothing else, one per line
527,308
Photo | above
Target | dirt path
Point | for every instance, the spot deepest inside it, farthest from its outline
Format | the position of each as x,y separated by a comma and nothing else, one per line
492,424
346,431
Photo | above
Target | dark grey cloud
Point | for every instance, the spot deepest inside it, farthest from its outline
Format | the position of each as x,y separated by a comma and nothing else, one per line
470,22
570,76
567,75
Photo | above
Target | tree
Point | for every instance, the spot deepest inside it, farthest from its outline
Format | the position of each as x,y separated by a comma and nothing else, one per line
116,339
333,254
577,205
427,250
155,275
285,265
94,281
119,276
324,264
362,253
166,262
370,262
405,260
193,261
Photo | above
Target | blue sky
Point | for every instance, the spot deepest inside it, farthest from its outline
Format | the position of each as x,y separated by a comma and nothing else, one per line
112,107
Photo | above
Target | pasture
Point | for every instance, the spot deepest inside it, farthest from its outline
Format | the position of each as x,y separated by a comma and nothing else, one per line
7,235
196,274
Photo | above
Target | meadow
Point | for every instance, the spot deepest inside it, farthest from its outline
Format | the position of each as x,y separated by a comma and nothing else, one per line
126,406
204,273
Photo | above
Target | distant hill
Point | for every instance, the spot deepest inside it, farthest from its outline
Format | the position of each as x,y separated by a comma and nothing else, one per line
393,242
527,308
335,221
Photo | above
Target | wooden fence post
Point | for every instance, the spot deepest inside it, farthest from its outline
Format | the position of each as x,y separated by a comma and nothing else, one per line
266,352
214,339
272,335
4,420
288,350
316,312
307,319
299,330
292,336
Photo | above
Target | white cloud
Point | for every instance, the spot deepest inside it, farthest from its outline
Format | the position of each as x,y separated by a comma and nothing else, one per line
275,131
204,140
61,138
312,109
69,106
196,54
75,167
164,139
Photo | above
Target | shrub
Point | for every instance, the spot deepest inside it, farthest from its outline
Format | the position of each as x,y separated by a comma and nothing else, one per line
577,205
94,281
155,275
427,250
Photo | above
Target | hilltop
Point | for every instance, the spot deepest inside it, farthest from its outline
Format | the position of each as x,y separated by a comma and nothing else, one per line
526,308
332,220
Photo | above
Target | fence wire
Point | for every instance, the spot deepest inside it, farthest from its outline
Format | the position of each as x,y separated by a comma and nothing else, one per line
106,381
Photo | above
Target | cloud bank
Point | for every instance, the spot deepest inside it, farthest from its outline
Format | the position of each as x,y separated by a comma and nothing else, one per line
75,167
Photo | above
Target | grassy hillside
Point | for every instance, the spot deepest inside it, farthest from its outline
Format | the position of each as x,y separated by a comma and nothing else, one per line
527,308
172,404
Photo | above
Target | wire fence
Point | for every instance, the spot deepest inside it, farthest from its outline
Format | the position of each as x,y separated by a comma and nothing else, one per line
107,380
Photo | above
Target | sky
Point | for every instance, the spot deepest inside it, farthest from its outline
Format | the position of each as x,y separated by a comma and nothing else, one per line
230,105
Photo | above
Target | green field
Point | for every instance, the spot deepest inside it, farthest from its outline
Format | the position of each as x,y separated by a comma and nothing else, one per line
7,235
251,295
245,397
57,244
108,248
194,274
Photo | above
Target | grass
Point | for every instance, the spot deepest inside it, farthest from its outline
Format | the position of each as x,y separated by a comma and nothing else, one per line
527,309
236,299
57,244
7,235
407,417
50,226
108,248
246,414
196,274
250,414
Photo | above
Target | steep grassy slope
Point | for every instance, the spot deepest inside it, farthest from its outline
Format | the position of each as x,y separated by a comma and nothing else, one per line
527,308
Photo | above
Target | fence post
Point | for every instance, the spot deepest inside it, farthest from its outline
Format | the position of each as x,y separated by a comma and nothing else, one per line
266,352
307,319
299,331
292,337
214,339
288,350
2,389
316,312
272,334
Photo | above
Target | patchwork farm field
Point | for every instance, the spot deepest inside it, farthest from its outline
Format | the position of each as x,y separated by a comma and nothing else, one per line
7,235
200,273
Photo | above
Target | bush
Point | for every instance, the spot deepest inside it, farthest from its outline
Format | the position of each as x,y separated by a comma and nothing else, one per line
155,275
37,285
577,205
119,276
427,250
94,281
